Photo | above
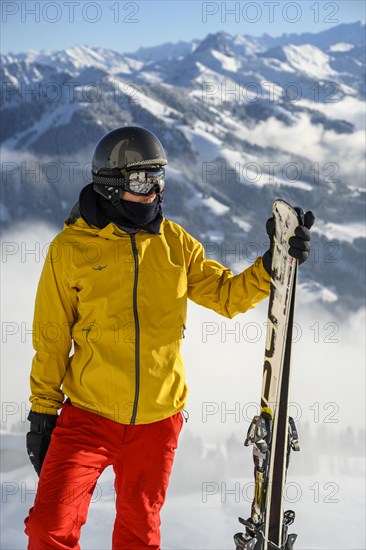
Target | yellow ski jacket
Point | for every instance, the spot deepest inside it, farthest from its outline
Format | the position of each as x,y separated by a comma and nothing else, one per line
120,301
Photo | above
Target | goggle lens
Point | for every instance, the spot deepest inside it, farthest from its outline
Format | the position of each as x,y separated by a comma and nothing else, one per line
144,182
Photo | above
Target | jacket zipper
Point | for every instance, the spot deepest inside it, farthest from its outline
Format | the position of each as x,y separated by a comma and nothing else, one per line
137,330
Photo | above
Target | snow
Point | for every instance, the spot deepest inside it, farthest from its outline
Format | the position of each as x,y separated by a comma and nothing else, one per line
208,518
249,45
159,109
228,63
245,226
212,524
340,232
341,47
11,441
82,56
214,236
277,65
310,60
60,116
204,143
214,206
209,76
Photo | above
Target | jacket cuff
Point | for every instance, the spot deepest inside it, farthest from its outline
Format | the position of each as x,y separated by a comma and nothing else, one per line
262,270
42,409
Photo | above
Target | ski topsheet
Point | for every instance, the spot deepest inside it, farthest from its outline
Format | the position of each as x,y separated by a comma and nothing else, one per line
272,433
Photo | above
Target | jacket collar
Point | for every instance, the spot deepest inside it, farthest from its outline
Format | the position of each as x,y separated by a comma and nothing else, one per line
96,215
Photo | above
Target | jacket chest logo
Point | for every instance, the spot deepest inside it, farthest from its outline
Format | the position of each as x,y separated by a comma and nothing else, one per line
100,267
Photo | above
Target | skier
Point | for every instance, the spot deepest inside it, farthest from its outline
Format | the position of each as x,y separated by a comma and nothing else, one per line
115,284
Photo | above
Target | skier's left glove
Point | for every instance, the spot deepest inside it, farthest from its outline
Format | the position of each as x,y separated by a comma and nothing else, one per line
39,437
299,244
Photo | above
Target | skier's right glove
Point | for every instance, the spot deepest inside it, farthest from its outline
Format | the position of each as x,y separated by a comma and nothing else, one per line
39,437
267,256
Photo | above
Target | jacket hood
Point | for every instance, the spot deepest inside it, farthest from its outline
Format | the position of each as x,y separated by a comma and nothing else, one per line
90,207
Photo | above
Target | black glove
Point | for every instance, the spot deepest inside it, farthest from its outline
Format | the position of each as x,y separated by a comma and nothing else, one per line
299,244
39,437
267,256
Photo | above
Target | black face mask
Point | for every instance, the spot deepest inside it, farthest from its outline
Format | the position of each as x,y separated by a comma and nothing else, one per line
140,214
134,215
98,211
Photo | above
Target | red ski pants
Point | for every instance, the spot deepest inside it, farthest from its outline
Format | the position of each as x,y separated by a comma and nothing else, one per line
83,444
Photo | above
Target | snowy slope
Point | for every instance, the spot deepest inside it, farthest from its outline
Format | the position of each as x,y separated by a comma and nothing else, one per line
78,57
211,484
207,519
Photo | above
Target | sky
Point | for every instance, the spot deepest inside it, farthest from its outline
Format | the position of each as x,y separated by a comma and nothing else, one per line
126,26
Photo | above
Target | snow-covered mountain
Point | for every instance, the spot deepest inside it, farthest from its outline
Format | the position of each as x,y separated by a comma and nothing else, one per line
244,119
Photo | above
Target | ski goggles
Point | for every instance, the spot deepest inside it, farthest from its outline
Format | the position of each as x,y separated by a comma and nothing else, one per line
144,182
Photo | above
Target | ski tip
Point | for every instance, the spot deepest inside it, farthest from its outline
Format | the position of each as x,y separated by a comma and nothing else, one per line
281,206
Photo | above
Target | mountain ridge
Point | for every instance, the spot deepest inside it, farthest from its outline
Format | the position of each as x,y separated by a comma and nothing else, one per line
243,123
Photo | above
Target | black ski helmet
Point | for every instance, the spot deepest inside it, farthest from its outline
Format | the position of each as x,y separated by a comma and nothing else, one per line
120,151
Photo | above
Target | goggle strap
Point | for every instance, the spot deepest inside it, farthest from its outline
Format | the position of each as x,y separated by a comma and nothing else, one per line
109,180
112,180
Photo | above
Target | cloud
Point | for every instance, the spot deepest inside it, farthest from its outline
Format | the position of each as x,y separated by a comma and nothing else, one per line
315,143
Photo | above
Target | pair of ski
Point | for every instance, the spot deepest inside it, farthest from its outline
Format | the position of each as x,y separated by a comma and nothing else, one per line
272,433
